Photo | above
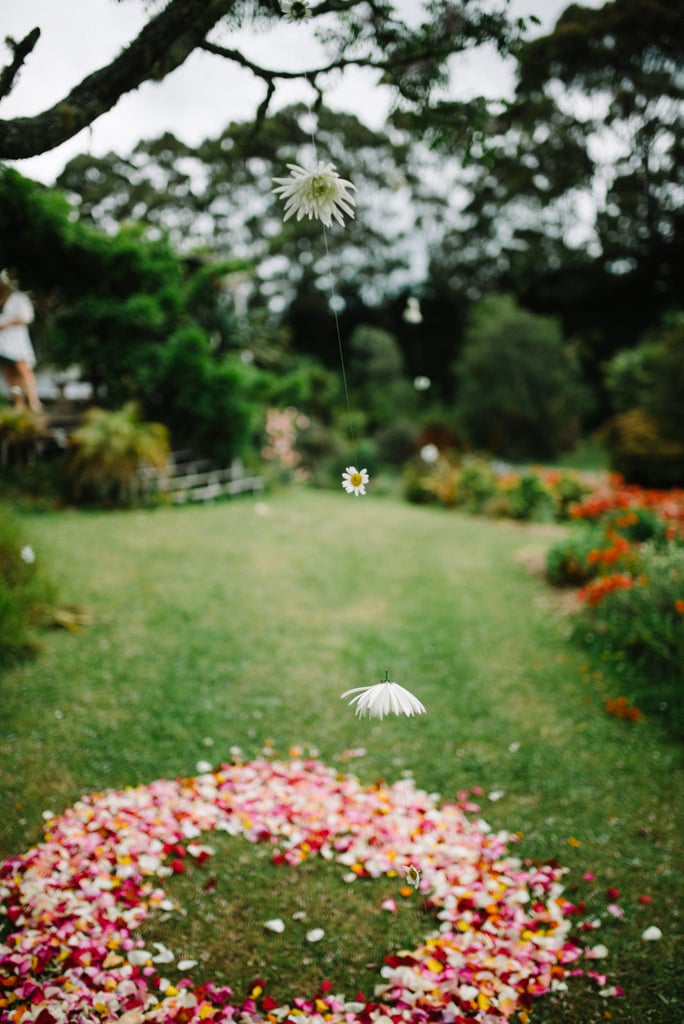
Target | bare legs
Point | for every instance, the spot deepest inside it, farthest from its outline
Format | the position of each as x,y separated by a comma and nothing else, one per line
22,385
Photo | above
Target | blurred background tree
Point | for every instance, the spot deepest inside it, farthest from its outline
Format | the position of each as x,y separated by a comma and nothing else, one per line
172,280
519,392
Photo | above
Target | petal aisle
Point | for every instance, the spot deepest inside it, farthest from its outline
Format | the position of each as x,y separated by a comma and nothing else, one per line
500,933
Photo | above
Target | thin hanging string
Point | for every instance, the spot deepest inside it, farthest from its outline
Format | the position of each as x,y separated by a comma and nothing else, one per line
333,302
412,873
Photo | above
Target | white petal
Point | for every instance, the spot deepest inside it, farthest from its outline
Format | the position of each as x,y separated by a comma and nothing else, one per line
138,957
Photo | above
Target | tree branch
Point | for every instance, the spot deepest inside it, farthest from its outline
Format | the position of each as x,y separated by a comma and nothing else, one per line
20,52
311,75
163,45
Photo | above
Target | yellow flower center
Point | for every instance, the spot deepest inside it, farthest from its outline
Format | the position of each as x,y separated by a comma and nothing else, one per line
356,479
320,187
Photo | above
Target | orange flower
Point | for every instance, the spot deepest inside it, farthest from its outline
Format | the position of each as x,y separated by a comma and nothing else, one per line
596,590
619,707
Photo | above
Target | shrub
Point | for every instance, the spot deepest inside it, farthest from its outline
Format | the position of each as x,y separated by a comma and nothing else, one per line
476,484
109,453
528,498
641,450
16,427
519,393
208,403
24,592
566,490
638,622
568,562
396,442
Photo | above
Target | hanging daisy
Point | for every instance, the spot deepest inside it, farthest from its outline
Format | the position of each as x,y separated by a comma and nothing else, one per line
296,10
316,192
382,698
354,480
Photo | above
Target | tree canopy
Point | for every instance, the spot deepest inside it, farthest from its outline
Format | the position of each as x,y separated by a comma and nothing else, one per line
414,60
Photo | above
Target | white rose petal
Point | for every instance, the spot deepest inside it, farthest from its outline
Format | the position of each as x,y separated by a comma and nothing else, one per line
315,935
163,954
652,934
275,925
138,957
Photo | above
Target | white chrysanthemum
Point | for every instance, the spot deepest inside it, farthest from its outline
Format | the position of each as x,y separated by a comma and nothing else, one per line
354,480
316,192
382,698
296,10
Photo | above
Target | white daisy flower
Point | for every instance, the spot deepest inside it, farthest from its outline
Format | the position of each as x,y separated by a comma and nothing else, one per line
382,698
27,554
316,192
296,10
412,875
354,480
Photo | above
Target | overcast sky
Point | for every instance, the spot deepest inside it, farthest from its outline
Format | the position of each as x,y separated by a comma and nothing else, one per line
200,98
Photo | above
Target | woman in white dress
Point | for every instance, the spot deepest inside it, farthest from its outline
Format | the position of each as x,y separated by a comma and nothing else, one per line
17,357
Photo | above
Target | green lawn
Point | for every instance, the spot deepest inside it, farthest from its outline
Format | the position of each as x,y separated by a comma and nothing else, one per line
239,624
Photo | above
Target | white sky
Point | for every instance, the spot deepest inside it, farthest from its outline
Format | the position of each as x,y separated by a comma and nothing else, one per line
202,96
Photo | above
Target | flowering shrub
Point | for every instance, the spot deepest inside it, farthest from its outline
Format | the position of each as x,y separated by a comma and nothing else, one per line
611,529
280,448
529,497
480,486
620,707
637,621
612,495
595,591
627,556
570,562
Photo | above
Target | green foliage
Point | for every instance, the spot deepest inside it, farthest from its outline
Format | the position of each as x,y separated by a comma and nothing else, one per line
397,442
645,438
528,498
641,451
377,380
519,393
305,384
123,312
110,453
597,113
641,630
24,592
629,376
18,425
476,484
208,404
568,562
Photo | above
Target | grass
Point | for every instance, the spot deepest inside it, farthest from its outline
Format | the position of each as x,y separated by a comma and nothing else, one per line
220,626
